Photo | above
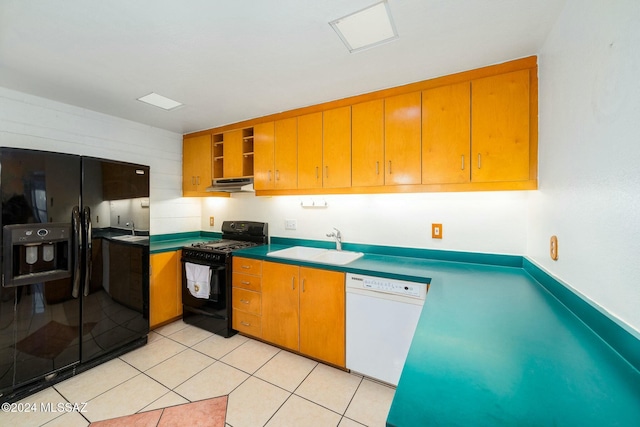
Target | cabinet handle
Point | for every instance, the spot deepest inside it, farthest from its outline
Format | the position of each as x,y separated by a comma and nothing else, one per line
197,180
244,301
317,172
244,282
462,167
293,285
390,170
277,175
269,175
326,171
302,285
245,323
479,160
193,180
246,266
377,167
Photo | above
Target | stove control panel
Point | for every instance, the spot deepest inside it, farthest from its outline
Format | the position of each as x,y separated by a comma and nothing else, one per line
203,255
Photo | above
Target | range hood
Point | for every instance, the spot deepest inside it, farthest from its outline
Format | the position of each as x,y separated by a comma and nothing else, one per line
232,185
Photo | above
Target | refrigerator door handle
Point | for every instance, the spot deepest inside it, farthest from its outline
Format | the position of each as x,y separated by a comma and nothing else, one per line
77,248
87,239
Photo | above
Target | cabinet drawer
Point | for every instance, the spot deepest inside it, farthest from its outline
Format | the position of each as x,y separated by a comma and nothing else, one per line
247,281
246,265
247,323
248,301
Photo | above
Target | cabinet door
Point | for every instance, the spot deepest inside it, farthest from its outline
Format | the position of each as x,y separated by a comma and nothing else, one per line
280,304
310,151
286,154
232,154
121,182
336,150
500,127
165,296
402,140
196,164
263,172
322,315
367,143
446,138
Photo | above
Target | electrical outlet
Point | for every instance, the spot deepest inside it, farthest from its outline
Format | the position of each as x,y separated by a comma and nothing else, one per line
211,221
290,224
436,231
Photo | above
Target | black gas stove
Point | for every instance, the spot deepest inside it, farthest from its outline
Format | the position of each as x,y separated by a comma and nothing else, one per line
206,275
215,251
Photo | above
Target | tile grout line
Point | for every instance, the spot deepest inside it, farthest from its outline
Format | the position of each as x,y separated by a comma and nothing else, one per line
215,360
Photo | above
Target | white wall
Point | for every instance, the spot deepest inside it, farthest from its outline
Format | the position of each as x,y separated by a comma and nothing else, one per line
31,122
589,151
492,222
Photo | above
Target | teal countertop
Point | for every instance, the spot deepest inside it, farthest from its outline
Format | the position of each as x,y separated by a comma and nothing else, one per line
494,347
174,242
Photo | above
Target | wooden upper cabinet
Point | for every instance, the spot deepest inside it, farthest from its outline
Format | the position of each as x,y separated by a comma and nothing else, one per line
264,162
402,117
336,150
446,122
471,131
196,165
276,155
286,154
500,131
322,315
367,143
310,151
232,154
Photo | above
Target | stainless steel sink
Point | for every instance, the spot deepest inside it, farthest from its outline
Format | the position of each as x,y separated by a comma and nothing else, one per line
324,256
131,238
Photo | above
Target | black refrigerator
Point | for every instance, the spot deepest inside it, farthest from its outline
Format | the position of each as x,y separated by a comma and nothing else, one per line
75,265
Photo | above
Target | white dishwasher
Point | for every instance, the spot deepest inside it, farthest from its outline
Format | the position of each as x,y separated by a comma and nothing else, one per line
382,315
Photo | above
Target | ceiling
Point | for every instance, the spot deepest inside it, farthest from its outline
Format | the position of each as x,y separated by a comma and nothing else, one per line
229,61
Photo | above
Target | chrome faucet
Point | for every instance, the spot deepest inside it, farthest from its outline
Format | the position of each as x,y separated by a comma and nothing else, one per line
133,228
338,237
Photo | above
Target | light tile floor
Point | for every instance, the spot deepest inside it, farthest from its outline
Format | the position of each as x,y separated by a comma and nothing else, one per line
267,386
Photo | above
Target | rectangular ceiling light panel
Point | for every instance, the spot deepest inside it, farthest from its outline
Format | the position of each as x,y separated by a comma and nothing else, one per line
366,28
160,101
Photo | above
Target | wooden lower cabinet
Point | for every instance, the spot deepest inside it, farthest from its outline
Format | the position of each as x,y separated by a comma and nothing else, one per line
165,291
322,315
303,309
246,296
281,308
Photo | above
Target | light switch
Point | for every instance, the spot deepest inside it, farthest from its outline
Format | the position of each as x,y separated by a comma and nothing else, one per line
290,224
